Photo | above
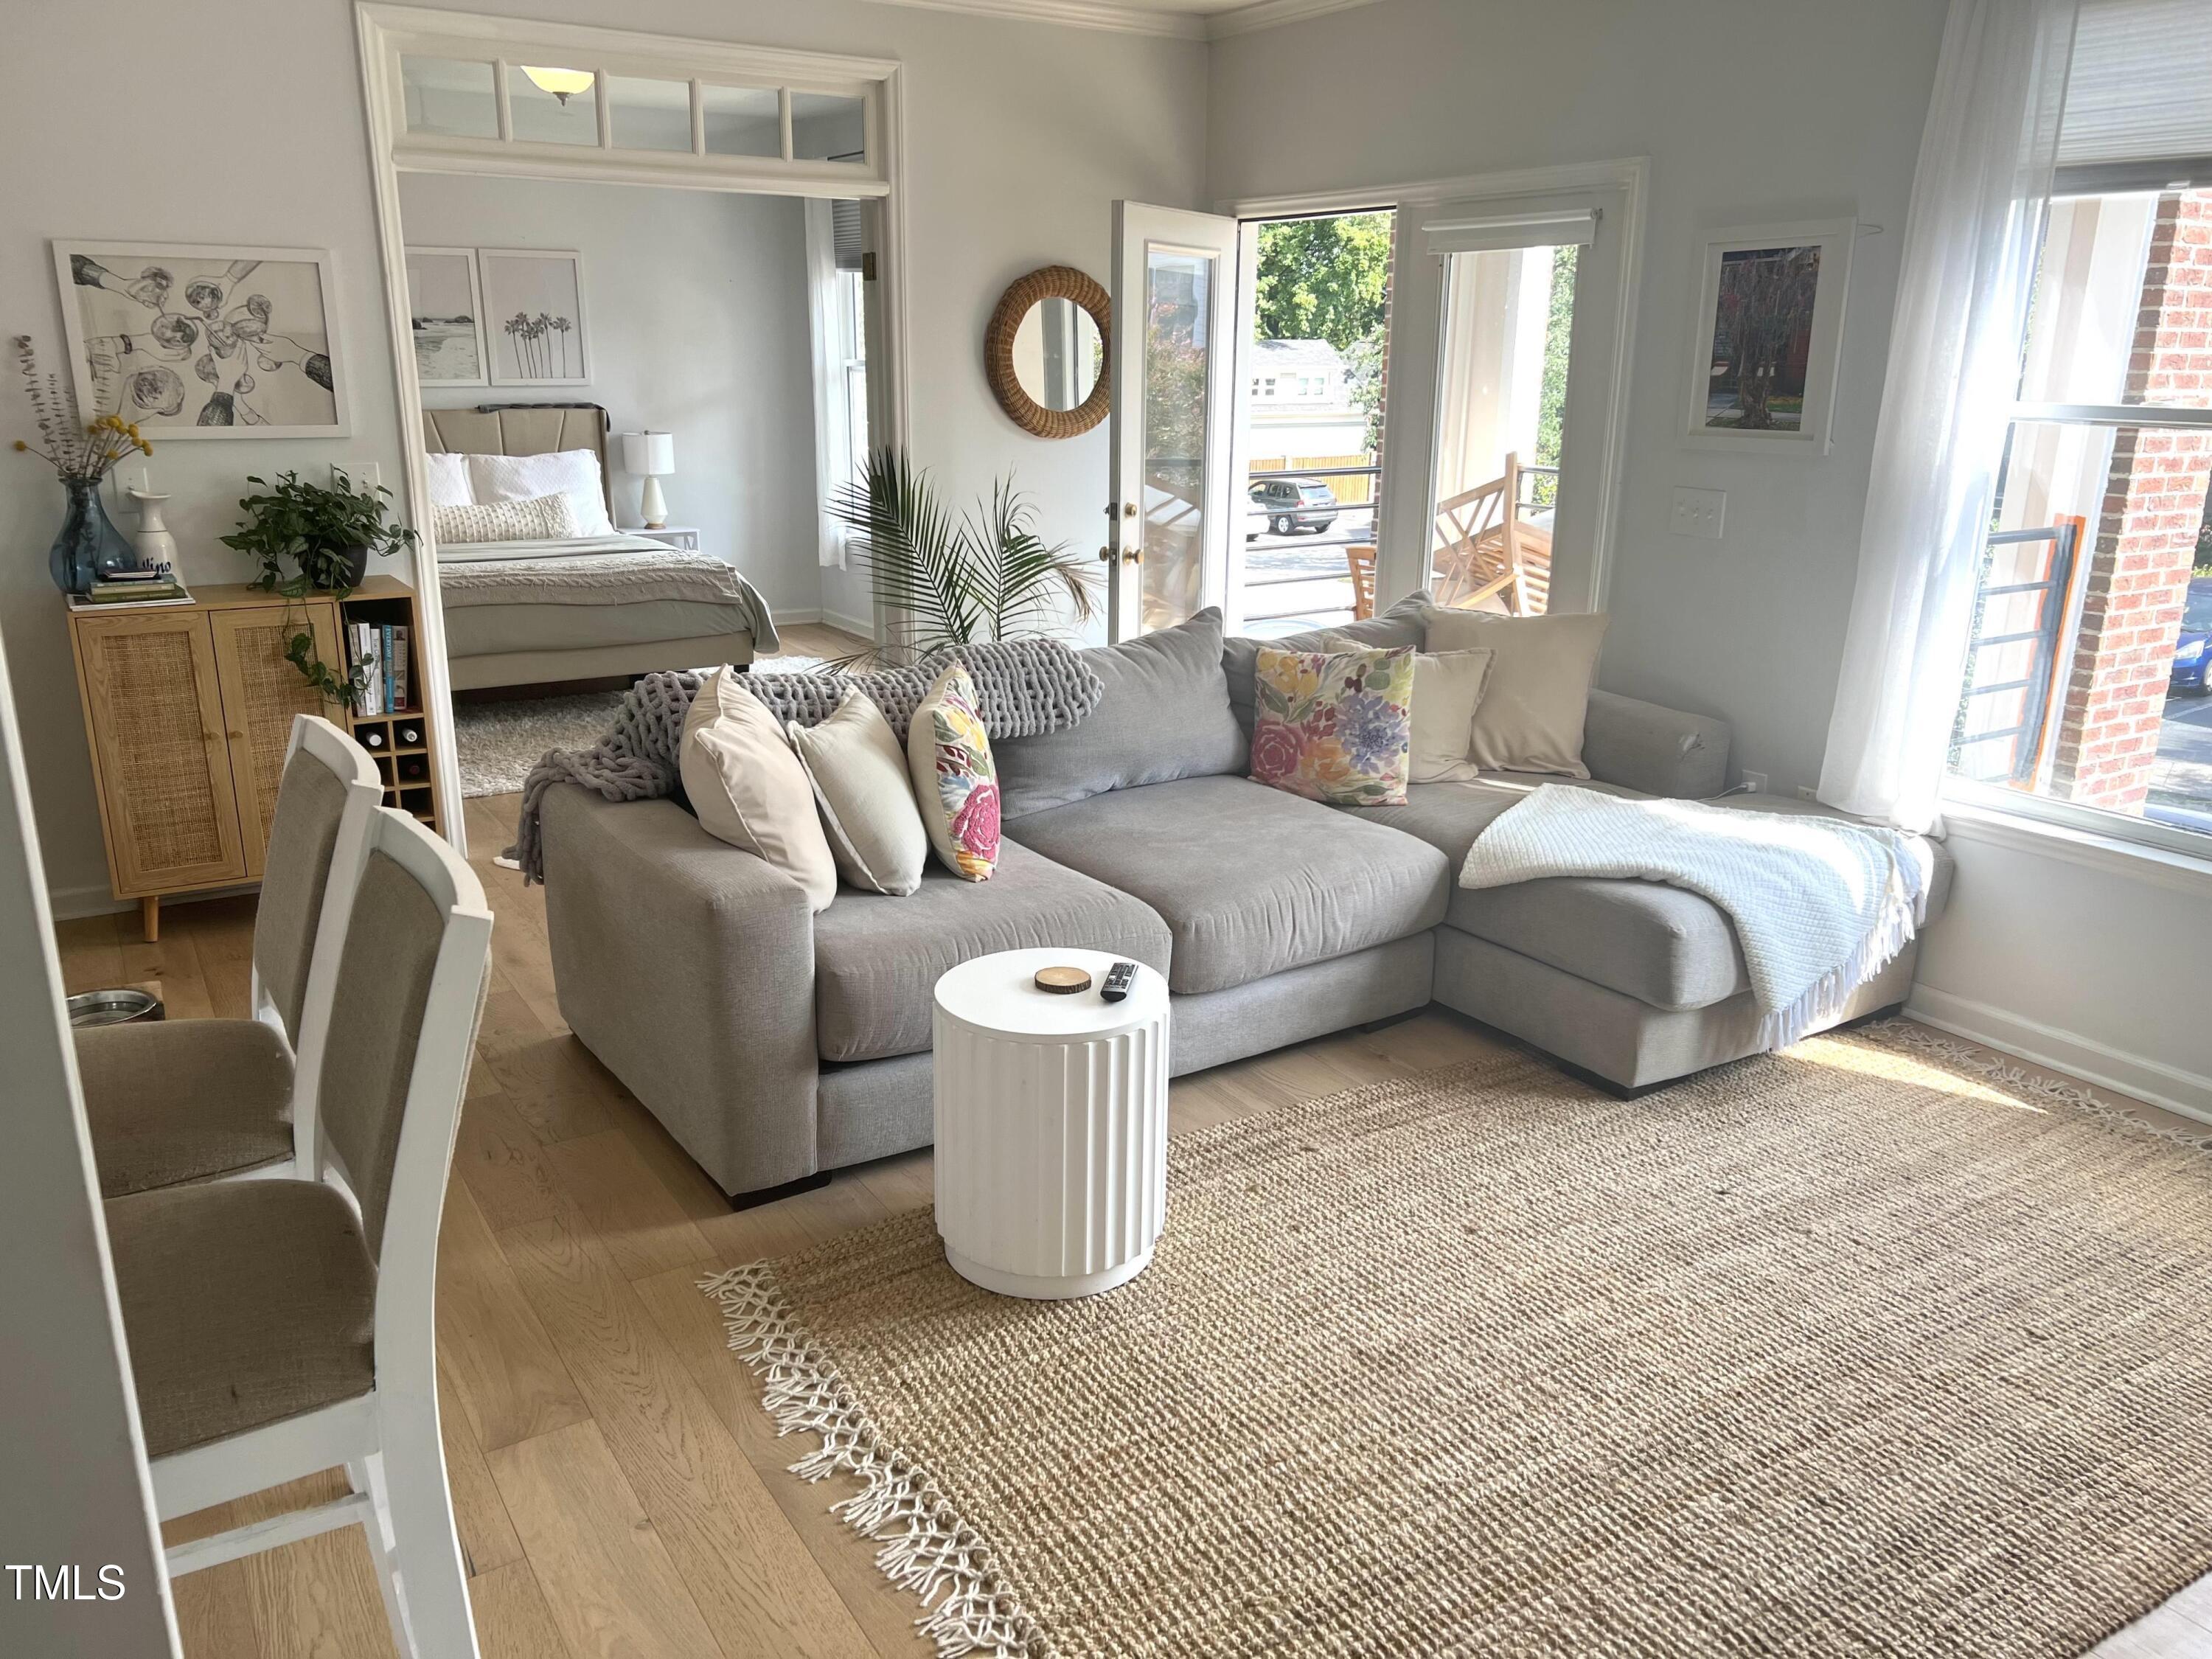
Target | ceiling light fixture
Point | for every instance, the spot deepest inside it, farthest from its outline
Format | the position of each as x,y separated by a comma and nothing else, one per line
563,84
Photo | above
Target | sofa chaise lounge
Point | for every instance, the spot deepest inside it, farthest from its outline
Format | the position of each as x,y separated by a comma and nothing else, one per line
776,1044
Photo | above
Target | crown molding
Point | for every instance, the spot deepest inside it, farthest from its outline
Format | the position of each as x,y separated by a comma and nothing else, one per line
1134,19
1274,13
1076,13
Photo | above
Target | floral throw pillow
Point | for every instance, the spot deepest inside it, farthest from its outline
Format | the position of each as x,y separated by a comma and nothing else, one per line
1334,726
948,754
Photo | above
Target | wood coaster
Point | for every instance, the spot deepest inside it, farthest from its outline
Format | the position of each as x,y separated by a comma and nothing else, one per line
1062,981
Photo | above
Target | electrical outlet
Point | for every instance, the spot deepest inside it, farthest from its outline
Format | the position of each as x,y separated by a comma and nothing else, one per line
1756,782
1698,513
1807,791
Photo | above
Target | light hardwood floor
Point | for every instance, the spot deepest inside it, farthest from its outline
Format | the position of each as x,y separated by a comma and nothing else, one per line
619,1490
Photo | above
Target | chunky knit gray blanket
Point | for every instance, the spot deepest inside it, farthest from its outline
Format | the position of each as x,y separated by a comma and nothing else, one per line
1024,688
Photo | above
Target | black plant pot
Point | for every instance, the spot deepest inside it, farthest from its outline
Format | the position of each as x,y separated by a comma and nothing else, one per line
351,572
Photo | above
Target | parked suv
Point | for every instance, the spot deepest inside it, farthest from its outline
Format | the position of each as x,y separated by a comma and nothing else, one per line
1294,504
2192,649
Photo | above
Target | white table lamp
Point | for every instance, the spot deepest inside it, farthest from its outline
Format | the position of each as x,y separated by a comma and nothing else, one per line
652,456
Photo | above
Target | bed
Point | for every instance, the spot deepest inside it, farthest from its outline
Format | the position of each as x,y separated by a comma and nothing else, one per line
521,613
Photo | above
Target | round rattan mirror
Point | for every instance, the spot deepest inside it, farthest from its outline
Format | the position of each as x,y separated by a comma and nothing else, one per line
1047,351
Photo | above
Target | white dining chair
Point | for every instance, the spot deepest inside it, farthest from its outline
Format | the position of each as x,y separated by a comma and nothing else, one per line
279,1327
172,1101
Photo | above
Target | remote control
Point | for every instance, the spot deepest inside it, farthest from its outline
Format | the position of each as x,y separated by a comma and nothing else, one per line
1119,978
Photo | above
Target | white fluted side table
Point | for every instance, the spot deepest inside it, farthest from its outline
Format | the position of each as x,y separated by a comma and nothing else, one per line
1052,1125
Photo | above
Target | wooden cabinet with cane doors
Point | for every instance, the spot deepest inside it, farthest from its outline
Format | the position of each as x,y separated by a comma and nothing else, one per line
188,709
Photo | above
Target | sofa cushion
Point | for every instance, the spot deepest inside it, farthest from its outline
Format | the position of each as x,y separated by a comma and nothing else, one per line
1248,880
878,958
1402,624
1660,944
1164,715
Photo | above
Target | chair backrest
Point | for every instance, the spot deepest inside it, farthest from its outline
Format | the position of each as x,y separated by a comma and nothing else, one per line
1479,534
1360,556
329,789
411,983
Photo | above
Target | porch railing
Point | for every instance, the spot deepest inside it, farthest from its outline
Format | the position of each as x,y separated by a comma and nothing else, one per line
2034,687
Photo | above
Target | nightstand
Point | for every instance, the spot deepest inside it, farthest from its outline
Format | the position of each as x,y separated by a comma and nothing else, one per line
676,535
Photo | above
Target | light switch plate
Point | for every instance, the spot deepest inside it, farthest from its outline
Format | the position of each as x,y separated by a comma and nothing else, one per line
366,475
1699,512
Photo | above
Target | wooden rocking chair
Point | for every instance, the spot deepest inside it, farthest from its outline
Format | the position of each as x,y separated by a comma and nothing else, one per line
1486,552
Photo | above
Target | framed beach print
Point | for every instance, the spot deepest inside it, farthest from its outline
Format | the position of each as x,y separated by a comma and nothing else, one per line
1769,332
534,316
193,341
445,312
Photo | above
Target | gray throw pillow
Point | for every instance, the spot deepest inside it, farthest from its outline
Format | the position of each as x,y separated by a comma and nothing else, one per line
1402,624
1164,715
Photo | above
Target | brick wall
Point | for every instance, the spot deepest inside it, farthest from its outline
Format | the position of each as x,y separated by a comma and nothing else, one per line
2145,535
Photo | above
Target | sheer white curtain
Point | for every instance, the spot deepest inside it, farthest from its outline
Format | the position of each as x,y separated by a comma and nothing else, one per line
1969,263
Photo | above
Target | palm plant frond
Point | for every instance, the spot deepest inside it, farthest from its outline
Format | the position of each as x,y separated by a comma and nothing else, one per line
955,581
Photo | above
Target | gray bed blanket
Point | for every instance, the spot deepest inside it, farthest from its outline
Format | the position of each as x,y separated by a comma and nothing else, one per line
1025,688
599,571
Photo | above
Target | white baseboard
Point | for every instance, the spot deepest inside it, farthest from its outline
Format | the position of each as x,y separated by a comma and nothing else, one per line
2080,1056
790,614
860,625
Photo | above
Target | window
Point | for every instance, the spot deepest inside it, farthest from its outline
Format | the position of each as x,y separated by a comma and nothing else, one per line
835,242
2085,682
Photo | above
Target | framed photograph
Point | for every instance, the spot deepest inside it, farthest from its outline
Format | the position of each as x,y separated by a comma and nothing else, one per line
1768,336
192,342
534,316
445,309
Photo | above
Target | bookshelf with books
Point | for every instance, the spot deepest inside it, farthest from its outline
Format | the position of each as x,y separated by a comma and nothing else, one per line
381,625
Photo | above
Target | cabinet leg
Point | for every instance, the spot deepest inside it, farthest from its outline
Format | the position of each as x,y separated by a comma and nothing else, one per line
149,917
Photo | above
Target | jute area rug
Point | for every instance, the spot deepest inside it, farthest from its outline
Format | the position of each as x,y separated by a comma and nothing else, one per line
1847,1351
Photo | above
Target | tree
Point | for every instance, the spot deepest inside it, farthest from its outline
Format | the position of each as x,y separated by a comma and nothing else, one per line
1328,279
1765,297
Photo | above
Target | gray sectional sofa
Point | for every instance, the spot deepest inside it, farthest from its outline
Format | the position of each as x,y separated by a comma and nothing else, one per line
777,1045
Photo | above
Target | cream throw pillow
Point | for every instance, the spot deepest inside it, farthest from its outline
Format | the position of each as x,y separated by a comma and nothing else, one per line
534,518
1530,718
1448,688
859,779
748,789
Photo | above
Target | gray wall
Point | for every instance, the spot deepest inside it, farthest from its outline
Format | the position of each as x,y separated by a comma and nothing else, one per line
1020,137
1749,112
73,1490
696,307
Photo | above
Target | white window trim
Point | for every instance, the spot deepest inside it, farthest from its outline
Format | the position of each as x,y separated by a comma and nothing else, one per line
2138,848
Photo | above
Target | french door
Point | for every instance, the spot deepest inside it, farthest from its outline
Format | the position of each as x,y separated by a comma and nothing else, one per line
1170,521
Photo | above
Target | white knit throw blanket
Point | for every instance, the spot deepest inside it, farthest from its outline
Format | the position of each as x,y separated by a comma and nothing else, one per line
1820,905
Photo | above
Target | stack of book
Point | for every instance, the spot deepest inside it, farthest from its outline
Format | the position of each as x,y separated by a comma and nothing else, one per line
157,585
383,647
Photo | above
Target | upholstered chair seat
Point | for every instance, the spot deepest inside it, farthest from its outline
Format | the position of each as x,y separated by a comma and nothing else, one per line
193,1100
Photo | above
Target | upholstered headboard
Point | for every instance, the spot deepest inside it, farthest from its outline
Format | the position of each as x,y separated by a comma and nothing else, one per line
521,429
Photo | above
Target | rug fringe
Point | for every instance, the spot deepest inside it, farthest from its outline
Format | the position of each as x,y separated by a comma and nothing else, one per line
1908,1033
926,1547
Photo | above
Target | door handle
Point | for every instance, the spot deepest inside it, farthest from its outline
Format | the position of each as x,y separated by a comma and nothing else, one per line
1105,556
1134,555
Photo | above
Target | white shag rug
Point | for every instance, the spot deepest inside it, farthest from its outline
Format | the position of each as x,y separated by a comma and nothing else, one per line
499,742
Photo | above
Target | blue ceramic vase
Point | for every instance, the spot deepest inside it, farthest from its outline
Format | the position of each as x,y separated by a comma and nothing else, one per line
89,546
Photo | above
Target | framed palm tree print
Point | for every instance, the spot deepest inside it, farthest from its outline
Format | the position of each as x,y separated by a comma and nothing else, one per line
534,316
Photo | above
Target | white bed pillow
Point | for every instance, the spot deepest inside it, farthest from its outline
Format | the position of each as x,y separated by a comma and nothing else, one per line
573,472
449,480
541,519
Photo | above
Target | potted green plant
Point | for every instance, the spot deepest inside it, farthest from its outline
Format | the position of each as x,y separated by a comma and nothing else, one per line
326,533
987,576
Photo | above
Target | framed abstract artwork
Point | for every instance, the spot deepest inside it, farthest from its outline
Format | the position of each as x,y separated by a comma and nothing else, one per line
534,316
445,314
1768,336
199,342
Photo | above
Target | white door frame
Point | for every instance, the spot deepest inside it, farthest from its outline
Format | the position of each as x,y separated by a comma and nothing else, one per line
1405,500
384,30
